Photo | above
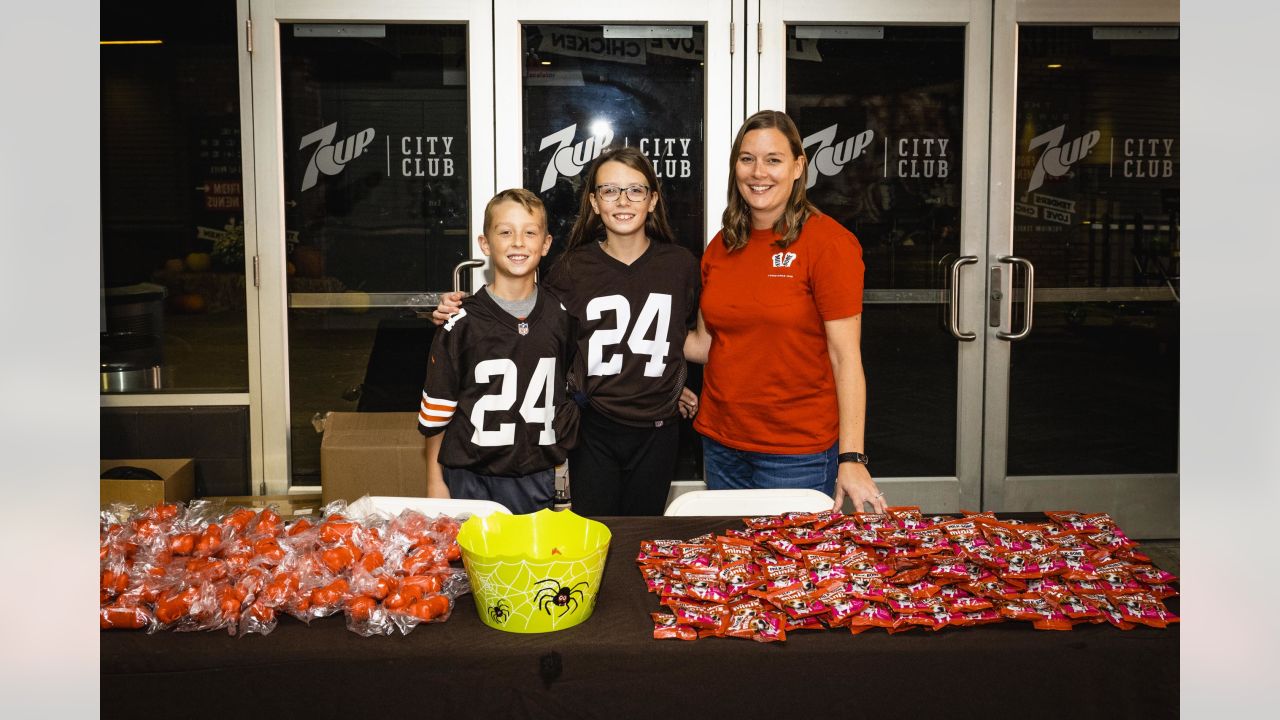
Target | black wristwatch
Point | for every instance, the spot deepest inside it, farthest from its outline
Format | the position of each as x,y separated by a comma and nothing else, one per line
857,457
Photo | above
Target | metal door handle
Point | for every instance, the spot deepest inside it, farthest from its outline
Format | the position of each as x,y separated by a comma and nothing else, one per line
1028,312
953,316
461,268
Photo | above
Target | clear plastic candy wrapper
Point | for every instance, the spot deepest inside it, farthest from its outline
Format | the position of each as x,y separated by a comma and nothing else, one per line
204,566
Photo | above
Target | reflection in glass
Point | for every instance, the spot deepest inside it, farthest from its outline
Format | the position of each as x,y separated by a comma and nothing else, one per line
881,123
173,262
1093,388
376,155
583,92
377,205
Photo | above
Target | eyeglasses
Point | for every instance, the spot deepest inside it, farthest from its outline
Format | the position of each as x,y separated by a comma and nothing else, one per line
611,193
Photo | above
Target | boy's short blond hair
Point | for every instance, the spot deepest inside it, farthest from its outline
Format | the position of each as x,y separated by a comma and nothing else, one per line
525,198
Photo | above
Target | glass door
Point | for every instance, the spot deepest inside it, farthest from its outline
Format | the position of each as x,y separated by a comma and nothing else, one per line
891,99
574,78
1082,341
375,159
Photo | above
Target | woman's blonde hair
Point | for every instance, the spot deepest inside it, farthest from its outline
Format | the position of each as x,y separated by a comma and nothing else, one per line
736,220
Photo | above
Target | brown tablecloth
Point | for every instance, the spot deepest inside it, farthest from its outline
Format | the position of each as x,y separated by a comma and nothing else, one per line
610,667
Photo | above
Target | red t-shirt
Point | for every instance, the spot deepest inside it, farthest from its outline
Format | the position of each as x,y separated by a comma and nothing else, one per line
768,385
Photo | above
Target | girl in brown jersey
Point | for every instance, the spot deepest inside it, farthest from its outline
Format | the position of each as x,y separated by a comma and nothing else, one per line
634,294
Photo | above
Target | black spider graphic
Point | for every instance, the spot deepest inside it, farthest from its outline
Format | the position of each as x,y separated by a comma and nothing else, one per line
557,595
500,611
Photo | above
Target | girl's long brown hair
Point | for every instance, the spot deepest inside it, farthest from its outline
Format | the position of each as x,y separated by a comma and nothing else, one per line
588,226
736,220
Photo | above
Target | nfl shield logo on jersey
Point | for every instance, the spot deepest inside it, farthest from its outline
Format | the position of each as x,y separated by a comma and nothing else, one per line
784,259
523,328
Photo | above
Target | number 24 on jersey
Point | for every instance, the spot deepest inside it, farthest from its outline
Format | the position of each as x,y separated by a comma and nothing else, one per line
540,390
656,313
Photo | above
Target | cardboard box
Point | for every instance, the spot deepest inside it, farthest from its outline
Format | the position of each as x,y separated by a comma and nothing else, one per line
372,454
177,482
289,507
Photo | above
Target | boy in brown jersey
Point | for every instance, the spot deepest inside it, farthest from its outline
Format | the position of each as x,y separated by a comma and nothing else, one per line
494,408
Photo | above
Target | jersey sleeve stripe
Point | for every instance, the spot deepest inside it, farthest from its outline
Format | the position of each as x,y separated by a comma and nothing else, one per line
434,419
435,412
438,403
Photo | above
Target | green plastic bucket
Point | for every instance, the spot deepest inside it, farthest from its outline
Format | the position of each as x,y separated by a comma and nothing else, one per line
534,573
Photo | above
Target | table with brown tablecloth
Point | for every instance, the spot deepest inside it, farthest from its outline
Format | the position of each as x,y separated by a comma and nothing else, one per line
610,666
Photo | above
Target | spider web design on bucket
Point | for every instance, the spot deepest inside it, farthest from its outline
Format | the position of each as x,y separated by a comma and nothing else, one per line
563,591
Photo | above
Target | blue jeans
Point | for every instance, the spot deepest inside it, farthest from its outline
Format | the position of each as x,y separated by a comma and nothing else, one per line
524,494
729,468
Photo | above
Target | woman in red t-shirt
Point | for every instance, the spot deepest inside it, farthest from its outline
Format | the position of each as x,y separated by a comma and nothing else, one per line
784,396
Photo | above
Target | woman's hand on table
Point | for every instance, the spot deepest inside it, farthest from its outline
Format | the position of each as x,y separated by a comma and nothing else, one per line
854,481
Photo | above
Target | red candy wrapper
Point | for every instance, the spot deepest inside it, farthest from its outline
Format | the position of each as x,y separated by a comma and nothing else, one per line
784,546
824,567
750,619
872,615
797,602
1074,607
861,561
695,554
1004,538
1036,537
933,614
766,522
908,517
843,607
976,617
699,615
1078,564
1072,521
1143,609
703,583
665,627
1103,604
1043,614
738,576
733,549
805,535
897,570
827,518
1151,575
865,586
660,548
910,575
902,602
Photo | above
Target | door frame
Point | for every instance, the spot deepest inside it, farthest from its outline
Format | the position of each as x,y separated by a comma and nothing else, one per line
266,202
767,74
1157,513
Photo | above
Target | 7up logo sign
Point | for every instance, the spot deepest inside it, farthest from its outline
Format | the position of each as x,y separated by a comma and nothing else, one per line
568,158
1056,159
831,157
330,157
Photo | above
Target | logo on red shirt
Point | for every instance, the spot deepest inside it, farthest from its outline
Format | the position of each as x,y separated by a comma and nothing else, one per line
783,259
